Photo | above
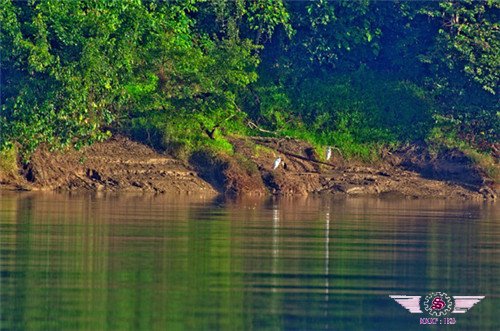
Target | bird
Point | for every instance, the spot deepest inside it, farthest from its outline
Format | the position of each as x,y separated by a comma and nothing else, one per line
277,163
328,153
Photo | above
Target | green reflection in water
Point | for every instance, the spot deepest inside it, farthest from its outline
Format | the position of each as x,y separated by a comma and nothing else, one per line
172,263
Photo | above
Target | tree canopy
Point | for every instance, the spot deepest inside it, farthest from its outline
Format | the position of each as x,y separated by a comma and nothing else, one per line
338,72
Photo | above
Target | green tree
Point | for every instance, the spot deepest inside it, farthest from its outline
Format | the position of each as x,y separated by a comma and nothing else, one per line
469,39
72,70
63,67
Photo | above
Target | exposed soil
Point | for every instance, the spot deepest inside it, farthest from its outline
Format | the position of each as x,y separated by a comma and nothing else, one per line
407,172
120,164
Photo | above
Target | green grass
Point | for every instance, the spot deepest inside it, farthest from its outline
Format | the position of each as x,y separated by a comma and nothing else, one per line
485,161
358,112
440,138
261,150
8,161
346,143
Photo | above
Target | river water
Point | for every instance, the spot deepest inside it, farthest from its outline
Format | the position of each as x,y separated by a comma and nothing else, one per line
125,262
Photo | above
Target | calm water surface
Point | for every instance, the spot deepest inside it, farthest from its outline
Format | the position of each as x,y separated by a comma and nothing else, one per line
172,263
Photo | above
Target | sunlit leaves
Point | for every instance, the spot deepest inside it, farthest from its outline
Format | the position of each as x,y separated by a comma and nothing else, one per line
469,39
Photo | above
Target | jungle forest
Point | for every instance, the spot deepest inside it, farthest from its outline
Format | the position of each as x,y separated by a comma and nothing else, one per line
183,75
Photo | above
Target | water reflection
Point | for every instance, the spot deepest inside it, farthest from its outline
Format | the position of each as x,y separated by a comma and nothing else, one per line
145,262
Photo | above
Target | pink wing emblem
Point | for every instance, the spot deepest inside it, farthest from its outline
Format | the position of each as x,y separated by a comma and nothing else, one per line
412,303
464,303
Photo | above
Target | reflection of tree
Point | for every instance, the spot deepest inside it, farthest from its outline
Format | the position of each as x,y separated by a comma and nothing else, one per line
120,264
457,261
214,285
153,263
53,248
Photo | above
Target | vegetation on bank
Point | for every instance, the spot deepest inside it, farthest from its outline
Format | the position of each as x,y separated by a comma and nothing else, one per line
181,75
8,162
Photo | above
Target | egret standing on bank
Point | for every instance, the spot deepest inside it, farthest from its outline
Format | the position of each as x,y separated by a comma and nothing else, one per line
328,153
277,163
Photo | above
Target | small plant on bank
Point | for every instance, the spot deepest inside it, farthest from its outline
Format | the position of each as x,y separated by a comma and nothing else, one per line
8,161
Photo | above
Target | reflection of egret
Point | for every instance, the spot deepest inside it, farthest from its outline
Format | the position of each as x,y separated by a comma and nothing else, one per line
276,224
327,249
277,163
328,153
327,259
275,251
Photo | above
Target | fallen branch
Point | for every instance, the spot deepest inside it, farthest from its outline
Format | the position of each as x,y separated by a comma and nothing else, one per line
296,155
255,126
304,158
338,151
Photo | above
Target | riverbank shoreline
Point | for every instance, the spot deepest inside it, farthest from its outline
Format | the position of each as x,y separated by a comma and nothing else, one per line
122,165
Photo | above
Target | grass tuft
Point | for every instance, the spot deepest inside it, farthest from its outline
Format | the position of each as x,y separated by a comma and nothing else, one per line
8,161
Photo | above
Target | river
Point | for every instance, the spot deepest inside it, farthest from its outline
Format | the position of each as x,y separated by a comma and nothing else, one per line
143,262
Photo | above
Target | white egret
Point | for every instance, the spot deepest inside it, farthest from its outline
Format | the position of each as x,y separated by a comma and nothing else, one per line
328,153
277,163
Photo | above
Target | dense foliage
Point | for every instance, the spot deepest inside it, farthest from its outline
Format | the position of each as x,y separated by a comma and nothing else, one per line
186,72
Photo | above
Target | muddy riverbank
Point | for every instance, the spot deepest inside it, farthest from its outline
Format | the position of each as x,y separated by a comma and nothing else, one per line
120,164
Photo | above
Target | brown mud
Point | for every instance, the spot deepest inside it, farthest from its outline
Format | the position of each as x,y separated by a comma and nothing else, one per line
120,164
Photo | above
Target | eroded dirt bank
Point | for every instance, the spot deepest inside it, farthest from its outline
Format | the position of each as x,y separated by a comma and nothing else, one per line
120,164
